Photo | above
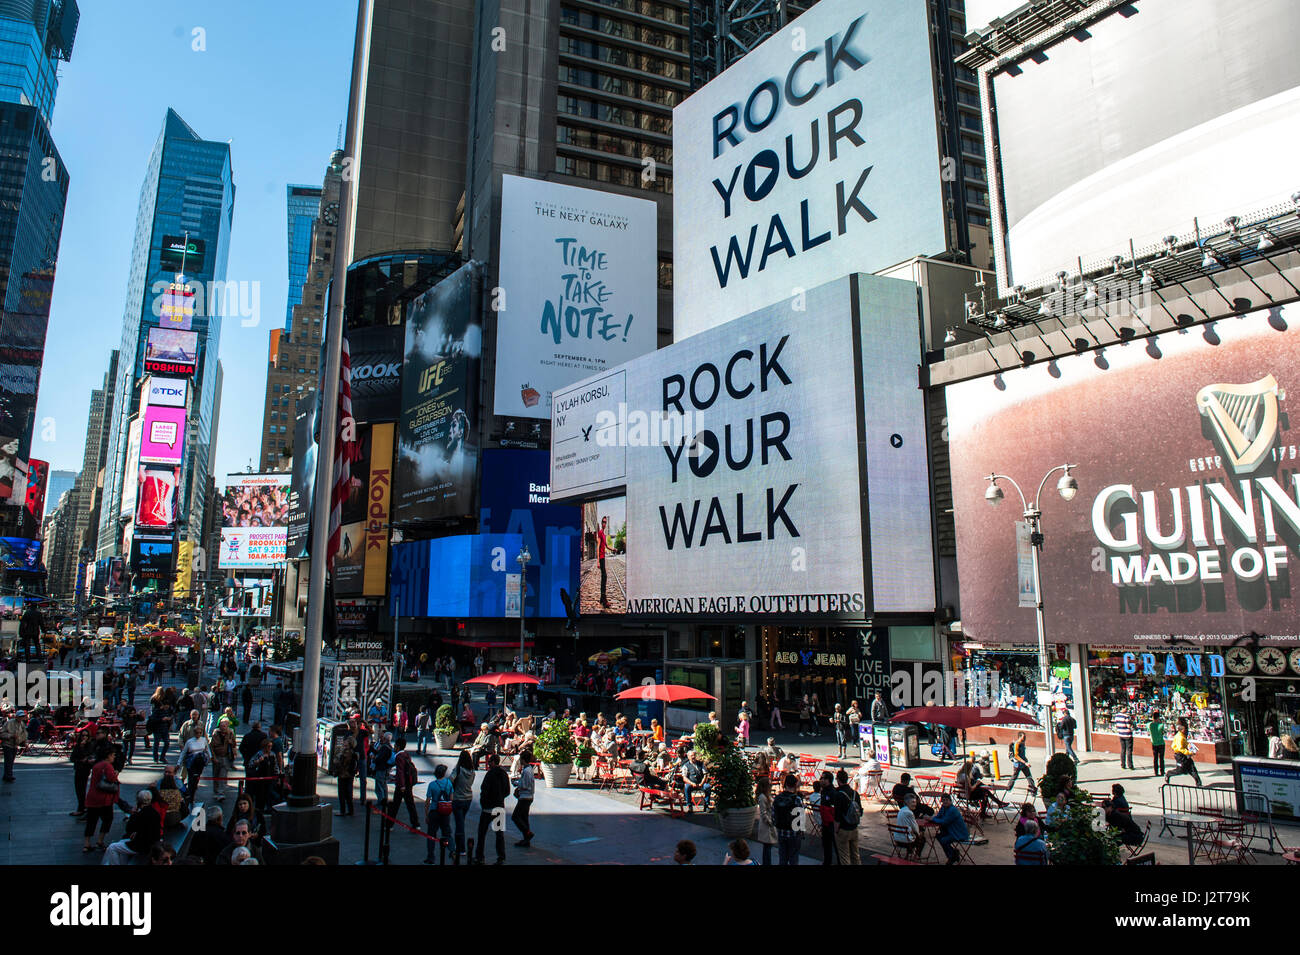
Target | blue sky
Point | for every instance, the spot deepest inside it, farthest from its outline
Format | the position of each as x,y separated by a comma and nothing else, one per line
273,80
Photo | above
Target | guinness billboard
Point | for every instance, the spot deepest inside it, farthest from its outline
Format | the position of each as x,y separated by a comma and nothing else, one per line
1187,520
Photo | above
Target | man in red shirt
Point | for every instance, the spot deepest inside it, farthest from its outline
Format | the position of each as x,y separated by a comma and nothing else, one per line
602,539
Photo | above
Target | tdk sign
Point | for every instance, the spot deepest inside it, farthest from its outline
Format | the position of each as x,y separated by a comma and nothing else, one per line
168,392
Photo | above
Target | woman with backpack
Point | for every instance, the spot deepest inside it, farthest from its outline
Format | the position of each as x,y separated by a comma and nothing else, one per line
438,810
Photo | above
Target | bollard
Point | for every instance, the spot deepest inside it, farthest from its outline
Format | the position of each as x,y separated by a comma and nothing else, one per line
993,758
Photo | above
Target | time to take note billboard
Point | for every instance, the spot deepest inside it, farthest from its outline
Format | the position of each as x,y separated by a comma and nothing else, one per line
1186,524
579,276
746,453
815,155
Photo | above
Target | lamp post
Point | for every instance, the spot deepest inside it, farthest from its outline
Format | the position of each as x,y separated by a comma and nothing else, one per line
1067,487
523,558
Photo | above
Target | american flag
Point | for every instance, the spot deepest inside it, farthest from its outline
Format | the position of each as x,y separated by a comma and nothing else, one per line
345,452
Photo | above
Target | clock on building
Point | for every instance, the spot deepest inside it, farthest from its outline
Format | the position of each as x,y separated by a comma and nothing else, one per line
331,213
1240,660
1294,659
1271,661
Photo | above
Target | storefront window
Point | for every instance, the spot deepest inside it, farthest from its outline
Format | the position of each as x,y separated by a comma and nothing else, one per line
1175,685
812,661
1008,677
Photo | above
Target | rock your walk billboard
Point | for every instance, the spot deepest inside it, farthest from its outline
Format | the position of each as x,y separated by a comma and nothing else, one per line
578,289
814,156
749,451
1186,525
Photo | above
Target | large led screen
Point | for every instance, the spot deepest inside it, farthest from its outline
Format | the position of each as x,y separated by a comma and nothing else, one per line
747,447
516,499
171,351
254,521
162,435
815,155
437,452
579,280
1187,515
1177,109
462,576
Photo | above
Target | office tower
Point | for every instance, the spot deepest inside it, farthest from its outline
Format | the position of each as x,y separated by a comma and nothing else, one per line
34,38
294,355
177,296
303,205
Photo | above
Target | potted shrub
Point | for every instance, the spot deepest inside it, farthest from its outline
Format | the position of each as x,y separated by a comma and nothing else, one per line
1080,837
1060,774
554,749
445,730
731,781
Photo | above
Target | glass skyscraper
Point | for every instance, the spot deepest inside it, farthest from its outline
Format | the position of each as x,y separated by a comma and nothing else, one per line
34,36
188,191
303,204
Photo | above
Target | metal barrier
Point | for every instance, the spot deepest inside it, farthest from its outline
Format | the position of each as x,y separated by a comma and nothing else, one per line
1183,805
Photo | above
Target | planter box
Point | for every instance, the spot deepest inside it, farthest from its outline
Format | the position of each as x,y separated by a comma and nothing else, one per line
556,774
446,740
738,823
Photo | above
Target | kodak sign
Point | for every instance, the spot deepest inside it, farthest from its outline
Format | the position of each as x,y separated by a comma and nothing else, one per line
378,506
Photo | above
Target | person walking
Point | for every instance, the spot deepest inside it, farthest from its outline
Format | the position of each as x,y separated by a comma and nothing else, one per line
1123,724
492,801
1020,765
246,697
785,807
805,716
423,730
81,755
1184,749
193,757
879,711
1157,730
1065,728
848,814
406,778
854,714
840,724
345,769
525,789
100,797
223,748
438,811
765,828
13,737
462,797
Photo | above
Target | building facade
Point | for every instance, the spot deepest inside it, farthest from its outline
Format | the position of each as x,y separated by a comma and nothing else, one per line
302,204
188,192
292,366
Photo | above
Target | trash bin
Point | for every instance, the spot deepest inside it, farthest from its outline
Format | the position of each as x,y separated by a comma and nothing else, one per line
904,745
880,739
327,732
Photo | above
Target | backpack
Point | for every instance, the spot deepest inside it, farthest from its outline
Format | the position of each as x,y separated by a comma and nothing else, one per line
852,811
827,809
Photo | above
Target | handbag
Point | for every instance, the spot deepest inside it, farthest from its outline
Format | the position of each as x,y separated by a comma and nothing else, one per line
106,785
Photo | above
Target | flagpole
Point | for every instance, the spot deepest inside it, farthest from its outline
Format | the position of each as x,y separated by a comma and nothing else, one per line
304,775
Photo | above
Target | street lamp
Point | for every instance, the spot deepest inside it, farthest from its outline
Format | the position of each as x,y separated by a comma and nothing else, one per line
1067,487
523,558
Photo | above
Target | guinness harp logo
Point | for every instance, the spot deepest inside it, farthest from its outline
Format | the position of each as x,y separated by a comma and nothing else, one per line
1243,419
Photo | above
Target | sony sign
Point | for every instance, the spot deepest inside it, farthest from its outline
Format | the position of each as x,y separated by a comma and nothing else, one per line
816,155
169,392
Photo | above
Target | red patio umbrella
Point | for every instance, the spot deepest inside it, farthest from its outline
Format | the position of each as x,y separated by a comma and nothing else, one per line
664,693
962,717
504,678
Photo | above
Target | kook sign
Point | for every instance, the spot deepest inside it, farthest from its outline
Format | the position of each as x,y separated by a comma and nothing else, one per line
816,155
